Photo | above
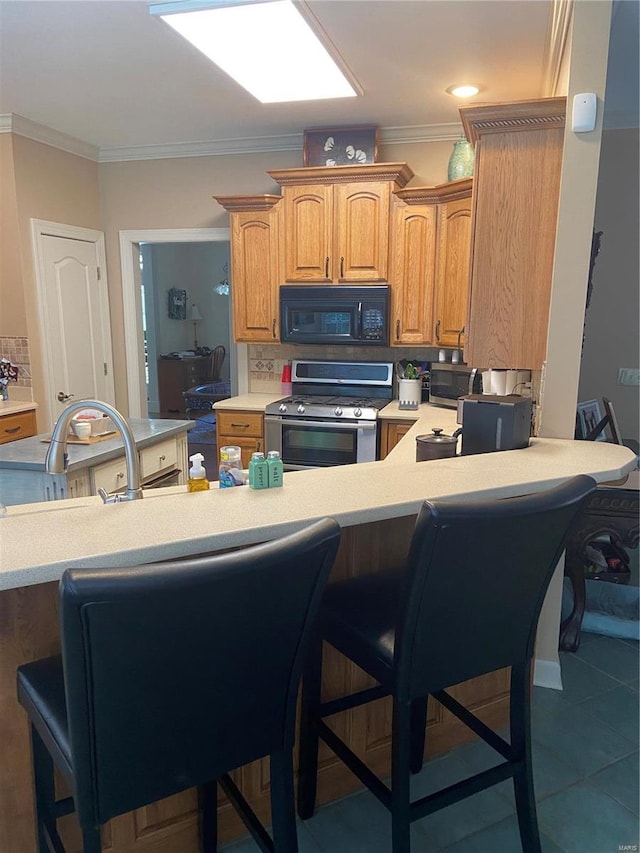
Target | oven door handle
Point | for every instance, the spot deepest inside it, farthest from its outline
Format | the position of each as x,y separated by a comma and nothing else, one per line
366,425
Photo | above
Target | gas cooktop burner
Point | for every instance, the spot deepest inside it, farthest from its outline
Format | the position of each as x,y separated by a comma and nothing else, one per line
336,390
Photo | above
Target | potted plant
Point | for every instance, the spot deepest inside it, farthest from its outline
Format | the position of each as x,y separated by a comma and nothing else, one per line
409,385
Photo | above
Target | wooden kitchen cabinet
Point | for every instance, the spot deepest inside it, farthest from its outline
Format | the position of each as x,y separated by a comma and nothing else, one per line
337,220
515,205
242,428
413,273
176,375
17,425
431,245
390,434
453,258
256,272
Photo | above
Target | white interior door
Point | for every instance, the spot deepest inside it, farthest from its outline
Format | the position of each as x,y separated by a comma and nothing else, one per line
74,311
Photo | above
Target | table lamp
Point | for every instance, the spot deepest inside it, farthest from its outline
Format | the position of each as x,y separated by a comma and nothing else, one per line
195,316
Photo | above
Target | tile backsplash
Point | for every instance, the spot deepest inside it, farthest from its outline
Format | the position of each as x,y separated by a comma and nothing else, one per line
267,360
17,351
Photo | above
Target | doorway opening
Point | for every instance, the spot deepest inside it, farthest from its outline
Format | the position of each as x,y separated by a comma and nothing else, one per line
132,298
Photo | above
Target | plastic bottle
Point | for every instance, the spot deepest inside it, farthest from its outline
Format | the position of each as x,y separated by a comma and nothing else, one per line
230,470
197,481
258,472
276,469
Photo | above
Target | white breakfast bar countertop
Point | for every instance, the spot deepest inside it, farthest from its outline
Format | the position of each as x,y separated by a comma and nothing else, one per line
39,541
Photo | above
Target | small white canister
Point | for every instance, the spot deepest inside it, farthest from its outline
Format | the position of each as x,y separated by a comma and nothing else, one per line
409,393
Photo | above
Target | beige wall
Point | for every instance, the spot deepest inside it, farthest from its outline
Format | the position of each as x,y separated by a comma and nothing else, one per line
612,329
54,186
13,318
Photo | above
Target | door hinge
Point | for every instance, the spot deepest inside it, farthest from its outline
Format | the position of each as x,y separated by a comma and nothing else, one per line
106,372
99,276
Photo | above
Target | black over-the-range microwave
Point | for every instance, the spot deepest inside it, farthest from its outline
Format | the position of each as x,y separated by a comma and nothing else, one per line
334,314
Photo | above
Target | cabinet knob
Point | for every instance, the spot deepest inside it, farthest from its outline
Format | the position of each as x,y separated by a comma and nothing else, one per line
438,330
326,267
273,329
341,267
397,330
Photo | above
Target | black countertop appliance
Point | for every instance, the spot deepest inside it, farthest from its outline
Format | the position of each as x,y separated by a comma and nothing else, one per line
490,423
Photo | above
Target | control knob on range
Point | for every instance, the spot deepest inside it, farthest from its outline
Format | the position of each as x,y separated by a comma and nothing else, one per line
337,411
282,408
357,412
300,409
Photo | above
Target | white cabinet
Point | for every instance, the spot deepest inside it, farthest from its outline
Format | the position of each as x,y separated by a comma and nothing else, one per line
163,461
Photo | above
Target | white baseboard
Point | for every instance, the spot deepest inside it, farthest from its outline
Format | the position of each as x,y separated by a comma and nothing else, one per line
547,673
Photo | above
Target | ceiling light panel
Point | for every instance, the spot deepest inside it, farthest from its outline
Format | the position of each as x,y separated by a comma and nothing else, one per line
268,48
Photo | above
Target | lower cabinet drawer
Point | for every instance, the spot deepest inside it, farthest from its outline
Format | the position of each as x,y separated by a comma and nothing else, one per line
20,425
239,423
158,457
110,476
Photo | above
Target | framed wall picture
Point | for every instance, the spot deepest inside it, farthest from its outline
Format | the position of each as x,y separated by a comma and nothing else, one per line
590,417
340,146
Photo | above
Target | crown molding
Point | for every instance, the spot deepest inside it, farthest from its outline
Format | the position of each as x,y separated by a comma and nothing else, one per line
21,126
262,144
13,123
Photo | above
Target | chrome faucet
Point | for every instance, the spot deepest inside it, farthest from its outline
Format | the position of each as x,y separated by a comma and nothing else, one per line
56,459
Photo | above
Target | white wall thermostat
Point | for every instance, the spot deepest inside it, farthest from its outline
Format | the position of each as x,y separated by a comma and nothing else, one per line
583,119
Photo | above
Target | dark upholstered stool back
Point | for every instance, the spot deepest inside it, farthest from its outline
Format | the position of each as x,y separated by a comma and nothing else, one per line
477,575
467,604
175,673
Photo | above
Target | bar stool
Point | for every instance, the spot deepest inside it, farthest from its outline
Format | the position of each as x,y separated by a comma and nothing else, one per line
466,604
170,676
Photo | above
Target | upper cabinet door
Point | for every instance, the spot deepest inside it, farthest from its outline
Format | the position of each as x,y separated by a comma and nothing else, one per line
336,221
452,278
255,275
308,214
362,232
413,274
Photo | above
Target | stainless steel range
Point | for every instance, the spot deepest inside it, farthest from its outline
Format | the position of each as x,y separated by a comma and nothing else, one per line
331,417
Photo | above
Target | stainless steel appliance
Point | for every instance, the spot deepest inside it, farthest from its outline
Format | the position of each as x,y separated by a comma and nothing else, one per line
331,417
492,423
448,382
335,314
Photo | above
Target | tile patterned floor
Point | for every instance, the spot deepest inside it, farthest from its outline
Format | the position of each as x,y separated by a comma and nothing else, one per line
585,752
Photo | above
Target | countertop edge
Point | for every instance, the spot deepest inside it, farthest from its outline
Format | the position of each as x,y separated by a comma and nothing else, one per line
171,523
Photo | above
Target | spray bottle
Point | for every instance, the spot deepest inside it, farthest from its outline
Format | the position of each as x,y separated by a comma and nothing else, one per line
197,475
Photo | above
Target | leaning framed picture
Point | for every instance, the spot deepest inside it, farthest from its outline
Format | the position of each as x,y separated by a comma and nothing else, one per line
589,418
340,146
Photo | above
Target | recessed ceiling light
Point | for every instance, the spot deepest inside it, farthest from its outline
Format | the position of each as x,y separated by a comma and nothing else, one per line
269,48
461,90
